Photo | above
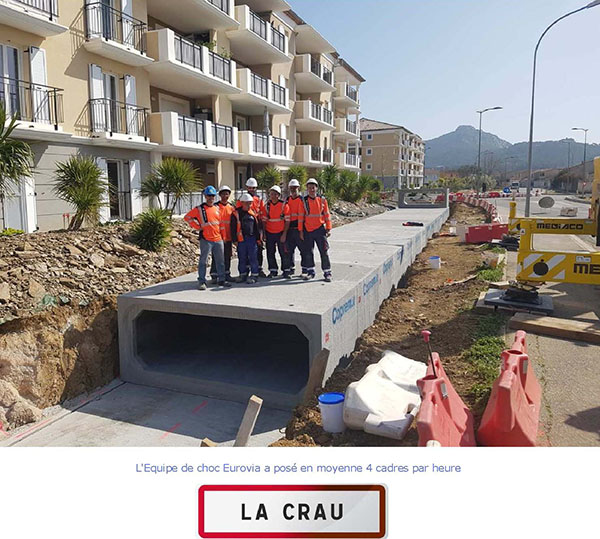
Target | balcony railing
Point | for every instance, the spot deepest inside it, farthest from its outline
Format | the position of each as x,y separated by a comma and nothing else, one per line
280,146
351,160
318,69
222,136
220,67
223,5
260,85
352,93
188,53
192,130
315,67
327,116
260,143
315,153
110,116
327,75
327,155
278,39
114,25
278,94
47,7
32,102
318,112
351,127
259,26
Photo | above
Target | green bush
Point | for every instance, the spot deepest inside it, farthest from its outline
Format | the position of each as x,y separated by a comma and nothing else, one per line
8,232
268,177
151,229
298,172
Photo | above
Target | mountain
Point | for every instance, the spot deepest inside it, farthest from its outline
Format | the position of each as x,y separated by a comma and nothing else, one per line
459,148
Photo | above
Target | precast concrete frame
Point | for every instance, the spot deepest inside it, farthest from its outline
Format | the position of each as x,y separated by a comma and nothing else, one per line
369,259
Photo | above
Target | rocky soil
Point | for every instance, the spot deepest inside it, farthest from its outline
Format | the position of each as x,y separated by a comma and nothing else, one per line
58,321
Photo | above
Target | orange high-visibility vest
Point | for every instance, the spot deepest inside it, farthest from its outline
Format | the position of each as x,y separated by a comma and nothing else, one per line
226,212
294,211
317,213
274,217
206,219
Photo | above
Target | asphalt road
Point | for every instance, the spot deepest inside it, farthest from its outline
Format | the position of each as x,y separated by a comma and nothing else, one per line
568,371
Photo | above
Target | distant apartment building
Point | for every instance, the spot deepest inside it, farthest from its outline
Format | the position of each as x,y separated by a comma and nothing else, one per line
231,85
392,153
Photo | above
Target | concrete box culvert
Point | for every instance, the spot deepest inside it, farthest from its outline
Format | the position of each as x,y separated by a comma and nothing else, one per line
276,339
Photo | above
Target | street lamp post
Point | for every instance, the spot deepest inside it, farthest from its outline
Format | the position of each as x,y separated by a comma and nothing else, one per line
530,168
584,153
481,113
568,153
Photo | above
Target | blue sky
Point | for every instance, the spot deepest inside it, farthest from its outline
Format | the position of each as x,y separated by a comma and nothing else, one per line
430,64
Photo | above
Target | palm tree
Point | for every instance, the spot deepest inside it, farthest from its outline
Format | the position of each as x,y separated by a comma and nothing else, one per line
329,182
298,172
16,157
174,178
80,182
268,177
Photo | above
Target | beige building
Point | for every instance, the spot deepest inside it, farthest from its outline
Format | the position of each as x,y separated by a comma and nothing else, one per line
392,153
231,85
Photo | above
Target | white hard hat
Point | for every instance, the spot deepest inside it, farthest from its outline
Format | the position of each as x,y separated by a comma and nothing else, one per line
312,181
225,188
251,182
294,183
246,197
276,188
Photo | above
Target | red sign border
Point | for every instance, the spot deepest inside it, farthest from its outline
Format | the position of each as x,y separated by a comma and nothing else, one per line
293,488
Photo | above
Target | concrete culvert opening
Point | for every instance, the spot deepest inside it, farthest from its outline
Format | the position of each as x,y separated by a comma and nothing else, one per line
261,355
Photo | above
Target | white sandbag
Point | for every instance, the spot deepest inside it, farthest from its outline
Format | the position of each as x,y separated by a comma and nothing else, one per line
386,400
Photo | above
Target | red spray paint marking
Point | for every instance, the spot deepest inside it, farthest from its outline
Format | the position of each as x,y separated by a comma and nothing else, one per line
170,431
198,408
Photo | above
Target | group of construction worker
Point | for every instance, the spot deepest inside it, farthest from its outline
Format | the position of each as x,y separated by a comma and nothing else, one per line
282,226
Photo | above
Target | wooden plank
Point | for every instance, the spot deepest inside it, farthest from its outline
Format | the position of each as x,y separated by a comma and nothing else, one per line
207,442
248,422
576,330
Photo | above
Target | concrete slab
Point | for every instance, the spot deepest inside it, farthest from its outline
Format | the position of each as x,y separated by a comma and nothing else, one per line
263,339
137,416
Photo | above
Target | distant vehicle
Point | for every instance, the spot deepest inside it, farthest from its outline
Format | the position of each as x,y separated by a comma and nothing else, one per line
494,194
515,186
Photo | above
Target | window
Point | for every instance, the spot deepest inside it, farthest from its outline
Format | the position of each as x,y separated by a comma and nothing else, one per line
369,166
369,137
369,151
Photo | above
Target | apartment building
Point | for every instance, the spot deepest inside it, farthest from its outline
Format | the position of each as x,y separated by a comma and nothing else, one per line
392,153
231,85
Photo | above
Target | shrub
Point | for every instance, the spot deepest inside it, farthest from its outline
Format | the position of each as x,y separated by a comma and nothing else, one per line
151,229
268,177
329,182
298,172
79,181
8,232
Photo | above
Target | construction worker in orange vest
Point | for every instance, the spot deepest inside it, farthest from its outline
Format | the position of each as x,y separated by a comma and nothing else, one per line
226,208
293,233
258,207
317,227
206,218
246,231
274,225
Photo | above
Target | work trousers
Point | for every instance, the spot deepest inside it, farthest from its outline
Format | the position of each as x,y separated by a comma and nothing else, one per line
292,243
318,237
218,254
248,257
228,251
274,245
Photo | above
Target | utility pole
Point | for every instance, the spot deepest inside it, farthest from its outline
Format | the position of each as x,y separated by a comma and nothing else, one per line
481,113
584,155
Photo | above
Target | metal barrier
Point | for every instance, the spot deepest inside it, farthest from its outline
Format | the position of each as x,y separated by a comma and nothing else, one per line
109,23
47,7
110,116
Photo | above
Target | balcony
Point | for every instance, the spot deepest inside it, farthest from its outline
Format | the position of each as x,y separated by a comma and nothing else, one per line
39,17
193,137
38,108
115,35
313,117
191,16
347,161
187,68
257,147
347,97
313,156
119,124
346,129
258,93
312,76
257,41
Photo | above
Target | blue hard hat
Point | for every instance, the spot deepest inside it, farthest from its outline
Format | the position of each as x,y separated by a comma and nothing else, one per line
210,191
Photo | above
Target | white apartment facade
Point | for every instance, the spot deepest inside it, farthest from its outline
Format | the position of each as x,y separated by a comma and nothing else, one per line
393,154
231,85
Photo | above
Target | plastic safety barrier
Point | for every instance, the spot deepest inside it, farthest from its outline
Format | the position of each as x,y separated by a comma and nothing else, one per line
511,418
443,416
486,233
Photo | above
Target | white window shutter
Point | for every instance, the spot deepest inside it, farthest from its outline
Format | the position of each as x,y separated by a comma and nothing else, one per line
93,18
14,215
283,131
98,107
39,81
128,25
131,105
135,184
30,205
105,209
